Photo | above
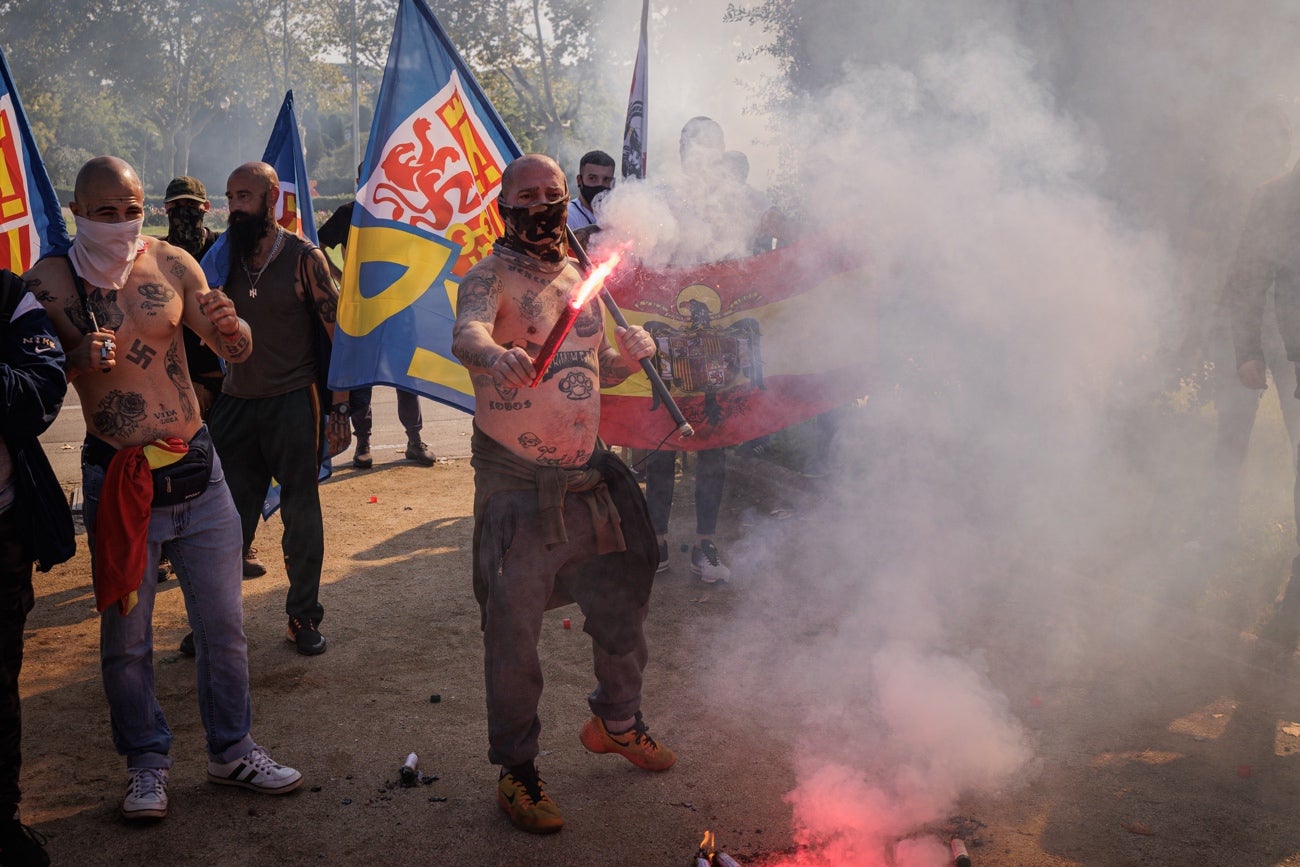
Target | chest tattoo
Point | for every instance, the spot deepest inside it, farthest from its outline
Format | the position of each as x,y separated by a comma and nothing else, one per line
155,296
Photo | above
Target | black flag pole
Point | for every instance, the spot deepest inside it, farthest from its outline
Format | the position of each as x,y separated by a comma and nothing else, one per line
684,428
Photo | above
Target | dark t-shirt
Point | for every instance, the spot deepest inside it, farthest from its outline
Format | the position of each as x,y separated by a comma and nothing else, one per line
202,362
335,231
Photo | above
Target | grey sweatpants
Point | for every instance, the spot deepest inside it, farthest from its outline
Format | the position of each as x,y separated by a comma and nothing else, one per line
517,597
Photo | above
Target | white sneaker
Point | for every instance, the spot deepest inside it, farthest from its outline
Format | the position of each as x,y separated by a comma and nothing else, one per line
255,770
146,794
707,565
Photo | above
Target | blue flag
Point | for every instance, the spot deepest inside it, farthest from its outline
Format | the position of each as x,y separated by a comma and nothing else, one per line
293,210
284,152
31,219
426,212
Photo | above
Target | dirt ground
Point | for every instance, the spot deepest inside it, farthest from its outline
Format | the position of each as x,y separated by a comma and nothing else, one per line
1204,773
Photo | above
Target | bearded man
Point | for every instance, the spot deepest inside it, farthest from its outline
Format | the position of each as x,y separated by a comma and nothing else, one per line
151,479
548,492
267,421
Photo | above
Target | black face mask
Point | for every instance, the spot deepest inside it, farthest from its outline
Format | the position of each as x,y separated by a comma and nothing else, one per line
589,193
185,228
536,230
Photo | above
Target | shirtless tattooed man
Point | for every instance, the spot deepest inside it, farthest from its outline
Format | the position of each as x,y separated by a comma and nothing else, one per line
548,492
117,301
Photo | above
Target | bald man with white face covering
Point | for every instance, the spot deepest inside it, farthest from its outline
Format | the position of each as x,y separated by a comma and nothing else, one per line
152,480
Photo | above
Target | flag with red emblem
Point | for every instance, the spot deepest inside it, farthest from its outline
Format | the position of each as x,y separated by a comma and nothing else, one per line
425,213
31,219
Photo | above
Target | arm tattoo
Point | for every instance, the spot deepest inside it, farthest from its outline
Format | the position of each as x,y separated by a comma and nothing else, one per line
177,267
119,413
477,359
613,369
180,378
44,296
327,299
235,347
478,295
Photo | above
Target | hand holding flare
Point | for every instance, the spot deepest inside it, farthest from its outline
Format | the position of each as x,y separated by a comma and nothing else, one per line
569,315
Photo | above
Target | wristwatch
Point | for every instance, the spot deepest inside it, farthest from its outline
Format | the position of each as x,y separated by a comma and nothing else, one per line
341,408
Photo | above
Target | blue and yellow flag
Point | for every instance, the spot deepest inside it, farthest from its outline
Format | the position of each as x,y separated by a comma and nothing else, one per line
284,152
31,219
293,209
425,213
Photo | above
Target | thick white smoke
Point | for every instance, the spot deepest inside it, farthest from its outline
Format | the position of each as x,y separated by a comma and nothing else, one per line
1006,303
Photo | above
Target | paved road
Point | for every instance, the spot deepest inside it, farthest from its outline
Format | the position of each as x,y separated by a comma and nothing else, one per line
446,430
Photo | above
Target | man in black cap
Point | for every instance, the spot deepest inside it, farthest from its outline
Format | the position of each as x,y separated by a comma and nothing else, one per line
186,203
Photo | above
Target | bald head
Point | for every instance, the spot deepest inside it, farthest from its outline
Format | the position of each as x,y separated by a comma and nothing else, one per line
101,171
533,179
107,190
262,172
252,190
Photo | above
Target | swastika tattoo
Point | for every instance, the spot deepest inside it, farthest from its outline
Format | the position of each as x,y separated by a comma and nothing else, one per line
141,354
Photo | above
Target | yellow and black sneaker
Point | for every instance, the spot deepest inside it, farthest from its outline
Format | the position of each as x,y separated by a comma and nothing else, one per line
635,744
522,794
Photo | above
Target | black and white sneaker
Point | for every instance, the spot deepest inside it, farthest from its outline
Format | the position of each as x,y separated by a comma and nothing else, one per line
255,770
663,556
707,565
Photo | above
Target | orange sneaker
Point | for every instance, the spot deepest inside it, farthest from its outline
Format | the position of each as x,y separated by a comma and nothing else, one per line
635,745
522,794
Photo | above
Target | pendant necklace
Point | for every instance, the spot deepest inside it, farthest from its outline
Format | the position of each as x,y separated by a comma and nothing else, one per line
270,257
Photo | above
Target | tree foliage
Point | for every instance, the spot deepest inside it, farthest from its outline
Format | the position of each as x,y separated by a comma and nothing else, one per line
193,87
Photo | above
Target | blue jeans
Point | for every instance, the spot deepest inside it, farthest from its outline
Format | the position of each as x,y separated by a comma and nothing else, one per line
202,538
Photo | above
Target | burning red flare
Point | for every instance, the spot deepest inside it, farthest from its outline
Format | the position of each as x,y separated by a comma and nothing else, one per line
569,315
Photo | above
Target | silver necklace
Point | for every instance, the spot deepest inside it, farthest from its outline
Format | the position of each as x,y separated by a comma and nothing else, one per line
270,257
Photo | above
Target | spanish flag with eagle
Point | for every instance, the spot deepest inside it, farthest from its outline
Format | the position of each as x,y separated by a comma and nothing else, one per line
745,346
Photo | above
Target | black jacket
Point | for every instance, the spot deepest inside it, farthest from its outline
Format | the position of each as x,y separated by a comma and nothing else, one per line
32,387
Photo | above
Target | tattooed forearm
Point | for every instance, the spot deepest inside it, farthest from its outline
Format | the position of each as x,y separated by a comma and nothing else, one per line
613,368
235,347
482,359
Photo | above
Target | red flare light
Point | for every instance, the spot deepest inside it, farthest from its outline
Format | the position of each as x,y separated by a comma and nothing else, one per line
569,315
